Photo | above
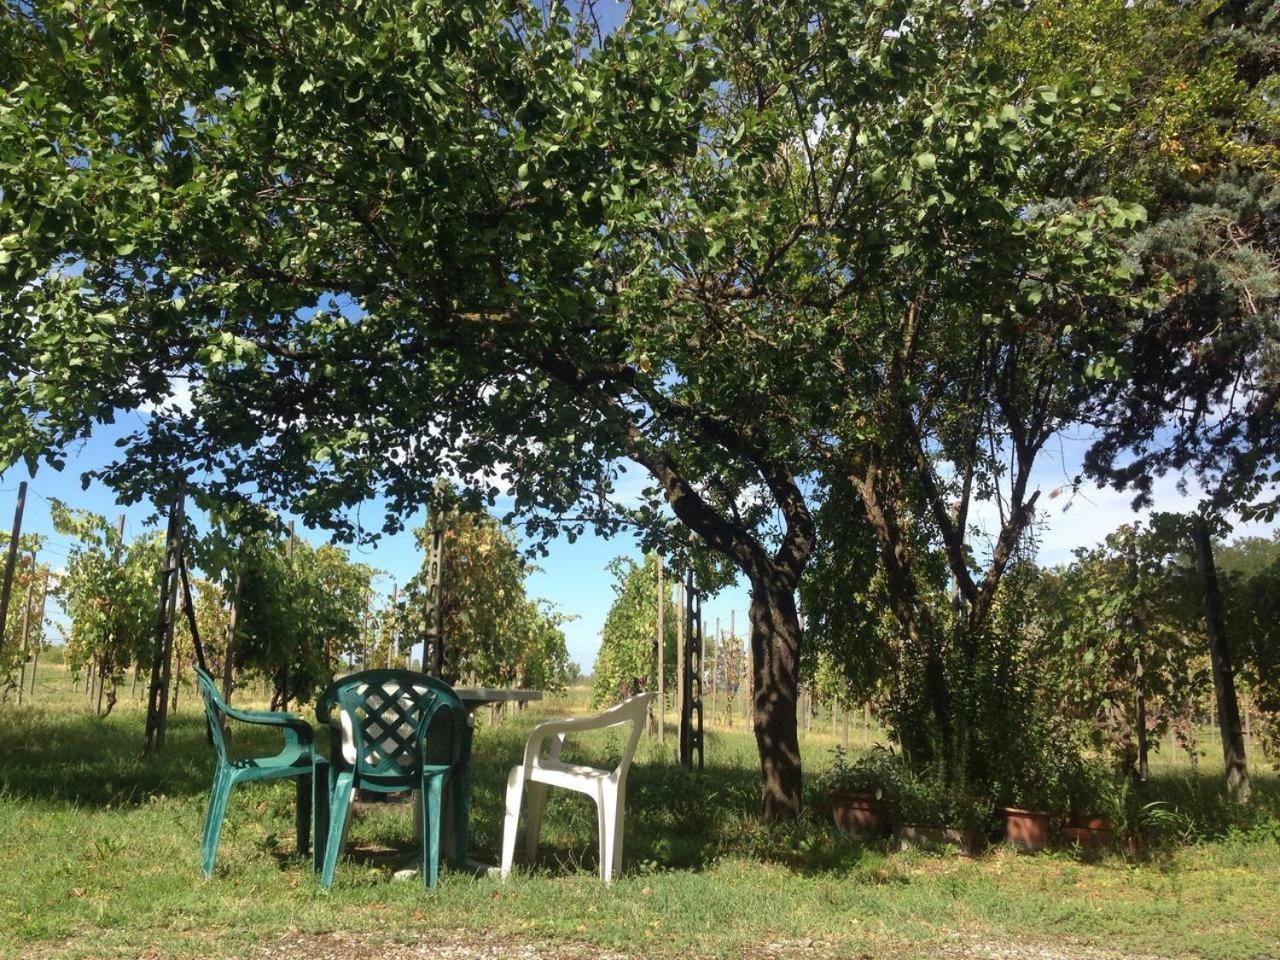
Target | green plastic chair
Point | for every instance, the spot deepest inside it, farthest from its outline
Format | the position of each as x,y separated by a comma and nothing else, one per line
394,730
293,761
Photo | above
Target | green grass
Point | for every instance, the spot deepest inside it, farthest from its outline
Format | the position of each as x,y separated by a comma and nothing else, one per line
98,858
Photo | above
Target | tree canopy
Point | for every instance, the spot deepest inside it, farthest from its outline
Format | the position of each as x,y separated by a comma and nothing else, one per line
762,251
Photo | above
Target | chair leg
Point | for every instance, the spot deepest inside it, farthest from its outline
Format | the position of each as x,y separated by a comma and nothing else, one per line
320,788
533,818
302,814
339,805
612,815
432,798
217,813
461,786
208,809
604,829
617,799
511,818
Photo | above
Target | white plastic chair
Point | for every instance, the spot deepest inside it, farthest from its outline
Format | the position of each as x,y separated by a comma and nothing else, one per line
607,787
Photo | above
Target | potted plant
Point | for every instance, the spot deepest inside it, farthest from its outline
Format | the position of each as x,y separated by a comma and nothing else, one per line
931,816
1030,800
859,792
1094,799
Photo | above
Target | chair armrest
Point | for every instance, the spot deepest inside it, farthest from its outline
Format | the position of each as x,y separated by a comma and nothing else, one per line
629,711
271,718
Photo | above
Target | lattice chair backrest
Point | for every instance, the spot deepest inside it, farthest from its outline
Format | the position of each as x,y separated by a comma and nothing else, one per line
390,719
214,710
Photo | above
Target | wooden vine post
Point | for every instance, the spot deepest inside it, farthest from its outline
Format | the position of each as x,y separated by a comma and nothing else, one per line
162,642
105,661
233,627
660,647
691,678
35,657
392,623
26,628
681,626
282,681
433,642
12,559
715,662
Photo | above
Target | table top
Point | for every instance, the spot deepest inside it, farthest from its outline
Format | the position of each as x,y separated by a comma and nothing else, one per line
479,695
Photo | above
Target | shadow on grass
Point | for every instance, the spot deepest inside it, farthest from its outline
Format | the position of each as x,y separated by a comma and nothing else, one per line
676,820
78,758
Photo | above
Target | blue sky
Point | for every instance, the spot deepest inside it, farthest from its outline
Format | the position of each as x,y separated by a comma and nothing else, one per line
573,575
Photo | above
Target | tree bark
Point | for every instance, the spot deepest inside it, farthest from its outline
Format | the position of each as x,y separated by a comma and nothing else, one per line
1224,683
775,650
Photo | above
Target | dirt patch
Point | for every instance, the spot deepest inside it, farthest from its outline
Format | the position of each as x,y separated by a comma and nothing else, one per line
435,945
964,948
470,945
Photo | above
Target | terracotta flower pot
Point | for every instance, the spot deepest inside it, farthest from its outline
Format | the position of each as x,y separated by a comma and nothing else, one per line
915,836
1028,829
1088,832
1086,838
1092,822
859,812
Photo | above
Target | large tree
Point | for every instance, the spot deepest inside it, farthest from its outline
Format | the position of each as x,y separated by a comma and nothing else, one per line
409,238
1201,383
1180,378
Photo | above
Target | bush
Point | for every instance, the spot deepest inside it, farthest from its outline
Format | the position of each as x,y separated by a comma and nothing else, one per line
924,800
878,772
1092,788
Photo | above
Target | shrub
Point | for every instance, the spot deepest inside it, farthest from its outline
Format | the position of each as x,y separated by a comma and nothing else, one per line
878,772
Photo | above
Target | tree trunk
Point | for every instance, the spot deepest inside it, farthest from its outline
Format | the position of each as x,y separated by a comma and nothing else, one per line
775,648
1224,684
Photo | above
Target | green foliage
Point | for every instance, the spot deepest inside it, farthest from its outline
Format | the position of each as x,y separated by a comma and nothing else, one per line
737,245
1247,556
108,592
1092,788
24,630
301,611
879,772
1198,142
1126,616
1252,602
627,662
924,799
849,651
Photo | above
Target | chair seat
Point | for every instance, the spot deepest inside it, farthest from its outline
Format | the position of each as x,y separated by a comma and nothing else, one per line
266,768
572,776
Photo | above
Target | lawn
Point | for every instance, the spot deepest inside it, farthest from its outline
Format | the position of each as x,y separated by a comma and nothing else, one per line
98,858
